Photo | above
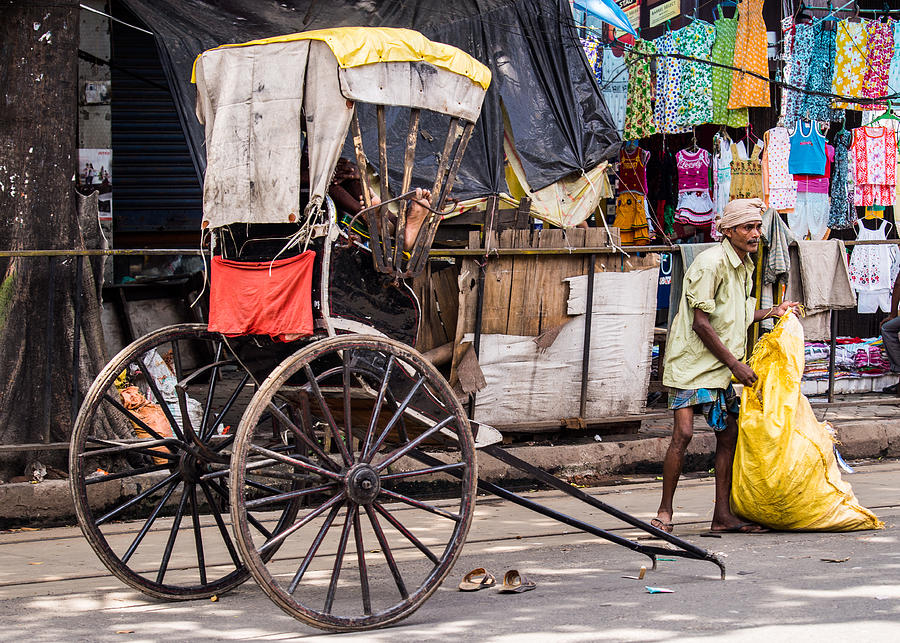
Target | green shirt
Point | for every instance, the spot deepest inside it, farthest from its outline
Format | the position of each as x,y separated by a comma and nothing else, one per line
719,284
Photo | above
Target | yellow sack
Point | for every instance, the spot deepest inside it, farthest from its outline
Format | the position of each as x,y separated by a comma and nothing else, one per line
785,472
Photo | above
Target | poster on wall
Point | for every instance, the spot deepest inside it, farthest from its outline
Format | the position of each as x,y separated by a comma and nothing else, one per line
95,174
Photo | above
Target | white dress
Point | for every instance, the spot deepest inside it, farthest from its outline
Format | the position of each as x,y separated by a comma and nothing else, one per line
873,269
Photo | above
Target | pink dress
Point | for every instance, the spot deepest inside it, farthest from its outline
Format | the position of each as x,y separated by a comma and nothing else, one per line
695,206
879,52
873,158
780,185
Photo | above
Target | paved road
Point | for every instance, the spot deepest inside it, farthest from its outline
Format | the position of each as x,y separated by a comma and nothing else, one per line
52,587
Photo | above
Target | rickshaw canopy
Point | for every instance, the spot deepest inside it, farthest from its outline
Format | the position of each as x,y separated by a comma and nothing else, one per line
255,100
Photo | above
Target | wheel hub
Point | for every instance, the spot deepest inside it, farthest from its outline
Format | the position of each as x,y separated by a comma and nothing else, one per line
363,484
189,467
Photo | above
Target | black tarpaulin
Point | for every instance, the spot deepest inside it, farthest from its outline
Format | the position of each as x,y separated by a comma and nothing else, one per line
560,122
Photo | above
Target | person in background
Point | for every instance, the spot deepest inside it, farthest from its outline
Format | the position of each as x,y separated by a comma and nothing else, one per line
890,327
706,343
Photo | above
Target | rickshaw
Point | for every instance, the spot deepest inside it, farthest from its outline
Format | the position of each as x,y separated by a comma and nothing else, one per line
314,445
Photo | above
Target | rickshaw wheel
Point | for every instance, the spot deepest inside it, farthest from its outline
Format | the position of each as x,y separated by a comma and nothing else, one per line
119,471
369,408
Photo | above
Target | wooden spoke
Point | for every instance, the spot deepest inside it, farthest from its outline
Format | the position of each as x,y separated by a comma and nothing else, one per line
313,548
421,505
126,474
373,421
348,416
396,524
149,522
388,555
424,472
326,412
220,524
210,393
287,495
296,462
339,557
160,400
198,537
402,450
173,534
277,539
130,503
211,430
133,418
309,441
361,561
390,425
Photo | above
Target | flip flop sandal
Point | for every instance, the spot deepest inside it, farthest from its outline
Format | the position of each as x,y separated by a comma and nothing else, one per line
478,578
515,583
662,526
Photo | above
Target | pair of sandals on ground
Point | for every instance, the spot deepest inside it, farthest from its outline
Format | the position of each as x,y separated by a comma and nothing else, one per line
480,578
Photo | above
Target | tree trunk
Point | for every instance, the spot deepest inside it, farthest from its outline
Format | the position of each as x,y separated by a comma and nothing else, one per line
39,77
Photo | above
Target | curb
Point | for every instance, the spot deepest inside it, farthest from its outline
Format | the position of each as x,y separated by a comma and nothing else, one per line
50,502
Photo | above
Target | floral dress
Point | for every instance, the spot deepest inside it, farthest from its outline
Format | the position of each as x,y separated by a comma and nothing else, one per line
695,40
842,214
850,62
799,70
781,186
819,78
874,165
615,87
639,121
668,86
880,49
746,175
750,55
894,72
723,53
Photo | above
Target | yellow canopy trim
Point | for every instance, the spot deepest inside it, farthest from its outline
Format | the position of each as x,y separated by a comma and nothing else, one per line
357,46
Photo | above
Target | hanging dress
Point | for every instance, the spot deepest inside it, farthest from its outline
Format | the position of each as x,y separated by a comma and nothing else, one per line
894,70
873,269
723,53
750,49
639,122
850,62
695,40
668,86
722,172
801,54
879,50
873,158
820,76
781,189
615,87
746,175
695,207
842,214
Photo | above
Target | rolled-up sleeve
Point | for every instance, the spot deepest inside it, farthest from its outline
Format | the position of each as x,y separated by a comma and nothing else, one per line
700,289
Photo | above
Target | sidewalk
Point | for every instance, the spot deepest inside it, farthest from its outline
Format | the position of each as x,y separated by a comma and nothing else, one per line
864,431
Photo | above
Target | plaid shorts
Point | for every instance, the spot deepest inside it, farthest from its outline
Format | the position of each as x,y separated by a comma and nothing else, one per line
715,402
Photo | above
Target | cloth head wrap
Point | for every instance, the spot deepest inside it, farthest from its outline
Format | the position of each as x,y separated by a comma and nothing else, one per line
740,211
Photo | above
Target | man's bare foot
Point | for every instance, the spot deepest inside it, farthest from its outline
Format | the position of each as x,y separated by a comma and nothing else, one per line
733,524
415,217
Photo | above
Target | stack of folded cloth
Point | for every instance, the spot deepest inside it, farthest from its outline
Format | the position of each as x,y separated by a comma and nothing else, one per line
853,357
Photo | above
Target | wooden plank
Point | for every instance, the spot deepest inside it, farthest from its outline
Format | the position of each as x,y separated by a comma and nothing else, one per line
498,276
468,289
522,306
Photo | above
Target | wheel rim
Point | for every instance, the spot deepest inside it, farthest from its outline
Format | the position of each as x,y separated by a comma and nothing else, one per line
352,560
125,467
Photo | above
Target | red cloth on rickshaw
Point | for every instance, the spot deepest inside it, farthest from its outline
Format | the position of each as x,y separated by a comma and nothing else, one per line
262,298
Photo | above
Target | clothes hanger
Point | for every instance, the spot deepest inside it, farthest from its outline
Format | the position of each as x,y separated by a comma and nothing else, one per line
694,146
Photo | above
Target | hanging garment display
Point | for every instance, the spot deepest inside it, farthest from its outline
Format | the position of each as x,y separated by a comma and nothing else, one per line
879,50
695,40
841,214
872,271
810,213
668,86
633,170
639,122
850,62
750,55
593,49
746,174
873,158
614,85
722,158
631,219
821,73
723,53
787,48
695,207
807,154
894,71
662,192
780,187
798,72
